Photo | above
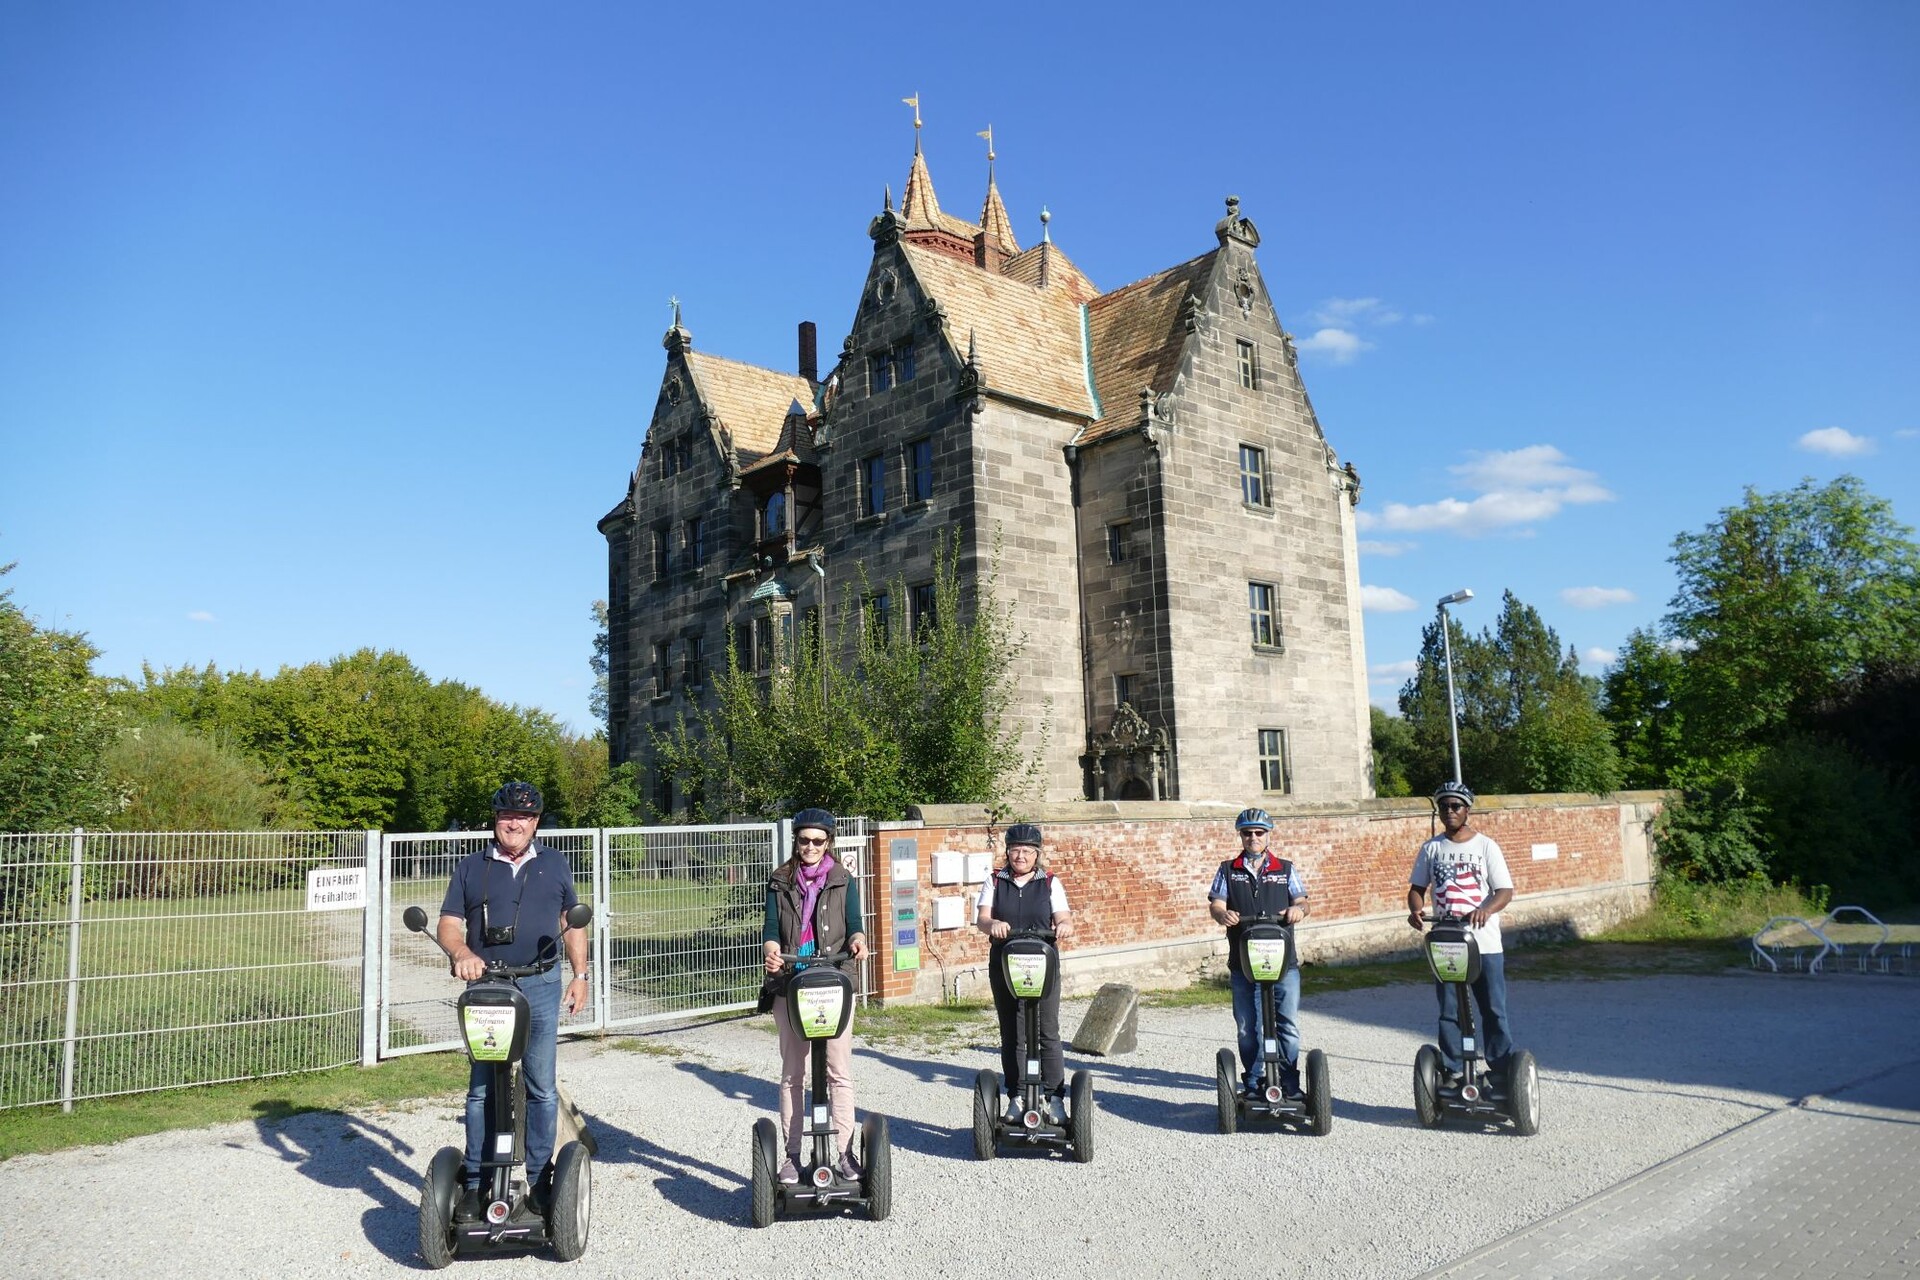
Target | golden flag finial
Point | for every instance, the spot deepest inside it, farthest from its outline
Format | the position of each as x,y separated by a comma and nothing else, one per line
987,133
914,102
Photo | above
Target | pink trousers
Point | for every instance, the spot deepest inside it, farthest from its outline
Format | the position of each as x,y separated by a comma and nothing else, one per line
796,1055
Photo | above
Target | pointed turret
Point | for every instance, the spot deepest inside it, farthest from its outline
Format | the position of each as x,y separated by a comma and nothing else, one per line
995,243
918,204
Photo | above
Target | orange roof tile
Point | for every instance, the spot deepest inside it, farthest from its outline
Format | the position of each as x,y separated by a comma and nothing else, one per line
994,220
1061,275
1138,334
1029,339
751,401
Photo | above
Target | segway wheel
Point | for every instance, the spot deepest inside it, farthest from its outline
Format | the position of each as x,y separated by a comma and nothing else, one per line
766,1171
879,1167
1226,1081
1319,1095
570,1215
1080,1117
986,1114
1523,1093
1427,1107
438,1191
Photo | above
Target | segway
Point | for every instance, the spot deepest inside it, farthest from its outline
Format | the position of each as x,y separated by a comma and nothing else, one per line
819,1002
1266,953
1453,953
1031,967
494,1015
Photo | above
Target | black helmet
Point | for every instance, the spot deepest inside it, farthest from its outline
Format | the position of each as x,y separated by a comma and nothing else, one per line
1455,790
1253,818
518,797
814,818
1023,833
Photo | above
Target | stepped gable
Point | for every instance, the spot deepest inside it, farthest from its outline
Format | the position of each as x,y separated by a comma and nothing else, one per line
1044,266
1028,339
750,401
1139,333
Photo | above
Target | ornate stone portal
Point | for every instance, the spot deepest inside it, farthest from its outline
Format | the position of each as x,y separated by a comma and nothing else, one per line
1139,754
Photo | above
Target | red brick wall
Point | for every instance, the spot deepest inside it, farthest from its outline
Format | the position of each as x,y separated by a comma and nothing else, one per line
1146,881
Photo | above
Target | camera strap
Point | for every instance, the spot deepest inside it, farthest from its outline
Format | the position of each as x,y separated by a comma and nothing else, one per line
486,892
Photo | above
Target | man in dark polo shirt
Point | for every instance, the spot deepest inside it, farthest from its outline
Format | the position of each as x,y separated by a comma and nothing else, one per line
507,903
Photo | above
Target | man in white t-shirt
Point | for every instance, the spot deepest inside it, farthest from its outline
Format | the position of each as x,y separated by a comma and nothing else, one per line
1469,879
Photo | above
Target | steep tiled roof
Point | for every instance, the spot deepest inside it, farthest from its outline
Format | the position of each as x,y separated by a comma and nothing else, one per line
994,221
1138,333
752,401
1061,275
1029,339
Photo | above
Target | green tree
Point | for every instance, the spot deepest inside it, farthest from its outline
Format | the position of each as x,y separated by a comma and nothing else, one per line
174,779
1783,599
56,724
1529,721
1642,704
885,720
1392,753
602,649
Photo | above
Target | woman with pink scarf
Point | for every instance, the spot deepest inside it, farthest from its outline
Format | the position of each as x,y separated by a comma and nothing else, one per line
813,908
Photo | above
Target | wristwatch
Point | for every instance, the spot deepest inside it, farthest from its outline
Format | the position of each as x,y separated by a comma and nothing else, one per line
580,975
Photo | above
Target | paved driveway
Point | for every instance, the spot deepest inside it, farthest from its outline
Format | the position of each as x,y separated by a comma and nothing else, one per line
1697,1126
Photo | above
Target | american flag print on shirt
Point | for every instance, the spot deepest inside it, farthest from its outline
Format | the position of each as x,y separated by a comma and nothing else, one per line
1460,889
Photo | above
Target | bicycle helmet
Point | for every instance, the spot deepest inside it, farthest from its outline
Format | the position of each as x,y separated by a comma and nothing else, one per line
1455,791
1253,818
819,818
1023,833
518,797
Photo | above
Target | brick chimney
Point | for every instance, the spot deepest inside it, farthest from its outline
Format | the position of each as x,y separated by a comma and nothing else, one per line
809,352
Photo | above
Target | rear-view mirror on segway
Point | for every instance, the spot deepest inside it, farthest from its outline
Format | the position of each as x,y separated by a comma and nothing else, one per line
1266,956
493,1016
819,1000
1031,966
1453,953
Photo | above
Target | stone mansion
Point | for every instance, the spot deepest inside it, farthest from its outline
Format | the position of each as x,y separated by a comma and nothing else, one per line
1174,533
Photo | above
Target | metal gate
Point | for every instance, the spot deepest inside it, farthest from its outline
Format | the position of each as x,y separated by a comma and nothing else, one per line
416,1015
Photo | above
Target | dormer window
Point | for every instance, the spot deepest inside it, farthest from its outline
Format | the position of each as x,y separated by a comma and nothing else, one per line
773,516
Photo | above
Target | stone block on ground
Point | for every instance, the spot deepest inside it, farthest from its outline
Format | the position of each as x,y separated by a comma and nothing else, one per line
1112,1024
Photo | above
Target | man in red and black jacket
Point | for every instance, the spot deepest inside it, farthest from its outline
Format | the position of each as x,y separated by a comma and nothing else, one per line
1258,883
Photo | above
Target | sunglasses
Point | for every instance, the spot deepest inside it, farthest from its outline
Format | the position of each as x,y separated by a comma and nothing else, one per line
1451,805
810,840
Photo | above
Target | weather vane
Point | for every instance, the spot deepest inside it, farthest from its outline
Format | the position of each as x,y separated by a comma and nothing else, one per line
914,102
987,133
674,302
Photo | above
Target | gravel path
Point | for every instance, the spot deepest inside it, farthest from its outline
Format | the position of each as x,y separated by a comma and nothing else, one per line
1634,1073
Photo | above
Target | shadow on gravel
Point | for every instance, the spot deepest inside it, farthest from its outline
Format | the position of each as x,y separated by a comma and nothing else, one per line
754,1090
926,1069
702,1189
338,1150
931,1139
1157,1113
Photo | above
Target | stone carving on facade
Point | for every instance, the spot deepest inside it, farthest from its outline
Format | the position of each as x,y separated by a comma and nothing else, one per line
1243,291
972,386
1136,749
1288,350
933,315
1352,475
1193,312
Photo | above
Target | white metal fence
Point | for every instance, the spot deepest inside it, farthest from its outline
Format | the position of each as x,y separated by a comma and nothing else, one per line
136,961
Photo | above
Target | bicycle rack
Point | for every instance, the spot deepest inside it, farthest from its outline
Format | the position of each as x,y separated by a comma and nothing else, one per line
1874,958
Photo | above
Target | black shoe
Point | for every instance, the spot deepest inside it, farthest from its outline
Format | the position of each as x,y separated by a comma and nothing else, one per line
1290,1086
466,1207
1450,1079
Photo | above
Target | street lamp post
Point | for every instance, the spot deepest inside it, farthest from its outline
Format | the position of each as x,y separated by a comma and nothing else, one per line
1461,596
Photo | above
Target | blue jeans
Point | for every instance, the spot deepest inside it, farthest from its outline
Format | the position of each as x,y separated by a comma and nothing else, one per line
543,1095
1495,1040
1246,1018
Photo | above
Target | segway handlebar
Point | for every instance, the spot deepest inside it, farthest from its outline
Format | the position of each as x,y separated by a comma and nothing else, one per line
579,916
1045,935
1435,917
1279,920
789,960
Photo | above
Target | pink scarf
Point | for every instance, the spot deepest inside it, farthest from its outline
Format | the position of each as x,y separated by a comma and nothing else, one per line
812,880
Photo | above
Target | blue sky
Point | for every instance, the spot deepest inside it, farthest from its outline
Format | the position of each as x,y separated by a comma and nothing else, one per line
335,326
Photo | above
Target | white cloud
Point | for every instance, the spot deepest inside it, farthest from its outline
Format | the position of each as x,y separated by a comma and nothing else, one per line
1385,600
1597,597
1345,313
1342,345
1837,442
1907,433
1517,487
1372,547
1598,657
1392,672
201,615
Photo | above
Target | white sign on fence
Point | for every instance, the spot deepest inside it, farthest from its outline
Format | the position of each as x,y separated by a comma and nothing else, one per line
336,890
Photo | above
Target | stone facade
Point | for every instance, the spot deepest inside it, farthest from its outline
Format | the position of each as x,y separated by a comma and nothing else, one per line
1095,449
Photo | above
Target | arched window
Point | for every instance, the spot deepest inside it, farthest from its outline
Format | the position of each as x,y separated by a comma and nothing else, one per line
773,517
